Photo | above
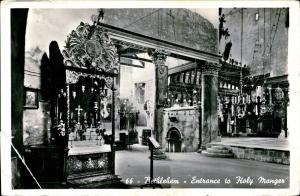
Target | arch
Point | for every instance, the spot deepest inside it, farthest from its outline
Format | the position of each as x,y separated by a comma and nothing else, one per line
174,129
174,139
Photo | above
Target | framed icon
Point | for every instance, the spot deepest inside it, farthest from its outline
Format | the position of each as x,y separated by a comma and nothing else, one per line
31,98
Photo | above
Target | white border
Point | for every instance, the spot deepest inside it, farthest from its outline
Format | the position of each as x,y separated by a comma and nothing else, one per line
5,101
293,71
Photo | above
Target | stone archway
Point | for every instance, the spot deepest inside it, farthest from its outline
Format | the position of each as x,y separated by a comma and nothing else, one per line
174,139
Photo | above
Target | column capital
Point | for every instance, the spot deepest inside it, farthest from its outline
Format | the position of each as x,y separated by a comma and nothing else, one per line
158,57
210,68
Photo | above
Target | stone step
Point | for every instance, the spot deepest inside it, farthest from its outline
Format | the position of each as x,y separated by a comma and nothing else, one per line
218,147
214,150
219,155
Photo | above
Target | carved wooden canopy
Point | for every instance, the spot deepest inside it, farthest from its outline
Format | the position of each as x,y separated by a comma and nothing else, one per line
89,49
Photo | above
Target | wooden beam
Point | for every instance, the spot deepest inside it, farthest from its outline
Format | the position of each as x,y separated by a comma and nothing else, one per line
132,65
137,58
142,42
181,68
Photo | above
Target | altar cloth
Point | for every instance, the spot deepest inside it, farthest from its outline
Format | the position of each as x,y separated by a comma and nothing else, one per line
89,150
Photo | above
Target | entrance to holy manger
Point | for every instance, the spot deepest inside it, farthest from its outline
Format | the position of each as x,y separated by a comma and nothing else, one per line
92,59
174,140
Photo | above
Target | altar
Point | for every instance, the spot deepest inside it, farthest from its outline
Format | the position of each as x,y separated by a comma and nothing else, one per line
85,107
89,164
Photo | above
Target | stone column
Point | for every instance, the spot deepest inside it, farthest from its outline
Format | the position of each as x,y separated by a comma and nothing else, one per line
161,89
209,103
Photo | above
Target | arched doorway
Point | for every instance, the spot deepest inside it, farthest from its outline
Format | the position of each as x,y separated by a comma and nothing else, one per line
174,140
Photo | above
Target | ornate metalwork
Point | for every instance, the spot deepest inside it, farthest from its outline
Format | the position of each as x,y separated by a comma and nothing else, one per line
210,68
72,77
68,106
88,163
90,47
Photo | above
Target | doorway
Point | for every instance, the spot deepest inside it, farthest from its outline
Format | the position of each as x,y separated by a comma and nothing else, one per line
174,140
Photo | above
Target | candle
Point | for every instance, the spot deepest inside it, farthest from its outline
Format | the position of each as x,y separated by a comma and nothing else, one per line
270,95
256,109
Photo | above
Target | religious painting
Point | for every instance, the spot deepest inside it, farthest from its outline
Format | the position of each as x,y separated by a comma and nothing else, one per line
31,98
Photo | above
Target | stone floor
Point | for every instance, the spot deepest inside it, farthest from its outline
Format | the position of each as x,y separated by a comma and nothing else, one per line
134,165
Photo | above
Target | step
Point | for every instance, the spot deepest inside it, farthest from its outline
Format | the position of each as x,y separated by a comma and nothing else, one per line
222,151
218,147
219,155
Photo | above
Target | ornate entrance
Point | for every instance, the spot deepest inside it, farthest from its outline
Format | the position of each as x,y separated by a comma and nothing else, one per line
174,139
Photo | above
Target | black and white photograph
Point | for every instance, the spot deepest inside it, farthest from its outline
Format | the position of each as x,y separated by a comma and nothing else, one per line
184,96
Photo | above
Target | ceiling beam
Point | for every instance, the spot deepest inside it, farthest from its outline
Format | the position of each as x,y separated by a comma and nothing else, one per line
133,65
137,58
142,42
181,68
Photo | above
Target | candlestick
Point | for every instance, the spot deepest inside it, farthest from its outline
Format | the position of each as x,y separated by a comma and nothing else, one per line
256,109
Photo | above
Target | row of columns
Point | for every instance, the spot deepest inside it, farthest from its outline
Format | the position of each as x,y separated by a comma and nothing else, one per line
209,93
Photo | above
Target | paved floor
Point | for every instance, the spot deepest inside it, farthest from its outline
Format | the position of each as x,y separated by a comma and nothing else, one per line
134,165
256,142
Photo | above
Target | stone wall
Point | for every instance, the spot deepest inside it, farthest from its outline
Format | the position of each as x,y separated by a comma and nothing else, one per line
36,125
36,122
187,125
258,33
181,26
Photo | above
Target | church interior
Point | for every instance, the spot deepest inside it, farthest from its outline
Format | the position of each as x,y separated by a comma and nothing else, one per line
97,81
